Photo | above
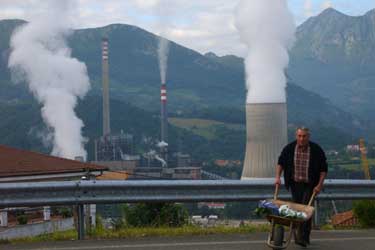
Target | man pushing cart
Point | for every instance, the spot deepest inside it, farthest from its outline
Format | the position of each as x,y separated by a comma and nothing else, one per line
305,167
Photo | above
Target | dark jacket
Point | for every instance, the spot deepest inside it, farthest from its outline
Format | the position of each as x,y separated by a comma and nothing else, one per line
317,164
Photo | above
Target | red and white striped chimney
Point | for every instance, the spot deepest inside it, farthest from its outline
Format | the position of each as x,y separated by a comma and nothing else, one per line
105,79
164,121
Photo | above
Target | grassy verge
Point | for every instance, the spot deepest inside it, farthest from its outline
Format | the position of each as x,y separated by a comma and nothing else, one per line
156,232
329,227
145,232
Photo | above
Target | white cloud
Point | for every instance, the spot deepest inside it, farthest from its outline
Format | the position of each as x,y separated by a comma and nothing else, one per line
326,4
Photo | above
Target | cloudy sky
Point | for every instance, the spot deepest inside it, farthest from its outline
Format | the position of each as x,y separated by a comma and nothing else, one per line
203,25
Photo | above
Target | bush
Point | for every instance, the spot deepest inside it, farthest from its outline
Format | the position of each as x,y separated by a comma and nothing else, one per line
65,212
155,215
22,219
365,211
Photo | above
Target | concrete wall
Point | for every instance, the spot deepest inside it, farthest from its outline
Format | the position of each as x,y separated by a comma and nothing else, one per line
29,230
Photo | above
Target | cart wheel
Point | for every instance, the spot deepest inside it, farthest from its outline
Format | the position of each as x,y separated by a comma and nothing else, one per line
278,236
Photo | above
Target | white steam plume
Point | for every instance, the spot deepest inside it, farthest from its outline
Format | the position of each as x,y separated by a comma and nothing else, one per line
267,28
41,57
163,51
162,10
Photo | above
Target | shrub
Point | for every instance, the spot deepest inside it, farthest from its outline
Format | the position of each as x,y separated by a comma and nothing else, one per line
155,215
365,211
22,219
65,212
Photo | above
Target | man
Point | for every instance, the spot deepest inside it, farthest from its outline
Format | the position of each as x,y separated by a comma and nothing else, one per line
305,167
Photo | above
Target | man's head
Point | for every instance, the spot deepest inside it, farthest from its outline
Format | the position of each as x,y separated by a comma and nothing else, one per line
302,136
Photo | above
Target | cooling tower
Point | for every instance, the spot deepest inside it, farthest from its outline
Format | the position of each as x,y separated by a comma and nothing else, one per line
266,129
105,76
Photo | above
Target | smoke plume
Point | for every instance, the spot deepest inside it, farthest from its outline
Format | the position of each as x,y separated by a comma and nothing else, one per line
163,51
40,56
162,11
267,28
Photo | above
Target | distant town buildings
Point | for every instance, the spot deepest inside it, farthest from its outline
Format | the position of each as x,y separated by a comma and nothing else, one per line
352,148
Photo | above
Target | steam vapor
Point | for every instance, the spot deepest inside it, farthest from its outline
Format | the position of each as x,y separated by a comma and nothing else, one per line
267,28
40,57
163,51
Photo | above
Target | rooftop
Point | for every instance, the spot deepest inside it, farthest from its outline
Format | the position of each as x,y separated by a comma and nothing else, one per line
16,162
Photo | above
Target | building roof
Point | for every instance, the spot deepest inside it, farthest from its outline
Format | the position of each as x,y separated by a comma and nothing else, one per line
16,162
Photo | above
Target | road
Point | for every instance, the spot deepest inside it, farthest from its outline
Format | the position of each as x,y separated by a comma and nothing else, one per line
343,240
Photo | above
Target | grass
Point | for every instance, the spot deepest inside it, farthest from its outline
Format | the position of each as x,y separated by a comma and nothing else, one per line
144,232
56,236
133,233
203,127
329,227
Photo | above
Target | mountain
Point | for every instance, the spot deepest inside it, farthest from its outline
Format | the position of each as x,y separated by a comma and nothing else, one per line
134,68
192,79
334,56
21,126
196,83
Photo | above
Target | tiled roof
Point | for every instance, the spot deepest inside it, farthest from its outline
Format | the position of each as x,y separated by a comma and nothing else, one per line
16,162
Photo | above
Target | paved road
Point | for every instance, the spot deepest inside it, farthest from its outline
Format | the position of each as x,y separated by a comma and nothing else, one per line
343,240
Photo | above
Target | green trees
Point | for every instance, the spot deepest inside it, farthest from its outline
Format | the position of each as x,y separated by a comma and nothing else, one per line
365,211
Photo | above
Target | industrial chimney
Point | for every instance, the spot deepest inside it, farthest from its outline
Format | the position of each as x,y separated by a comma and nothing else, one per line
105,76
164,122
266,129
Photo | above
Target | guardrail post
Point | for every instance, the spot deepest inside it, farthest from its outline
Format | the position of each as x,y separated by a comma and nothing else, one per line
316,214
81,222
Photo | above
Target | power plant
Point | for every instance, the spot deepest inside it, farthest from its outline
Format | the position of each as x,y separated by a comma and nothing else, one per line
266,128
266,135
117,151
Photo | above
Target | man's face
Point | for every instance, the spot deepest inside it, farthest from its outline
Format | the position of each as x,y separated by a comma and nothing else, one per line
302,137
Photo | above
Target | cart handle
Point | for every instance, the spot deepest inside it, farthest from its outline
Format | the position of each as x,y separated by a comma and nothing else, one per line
276,191
312,198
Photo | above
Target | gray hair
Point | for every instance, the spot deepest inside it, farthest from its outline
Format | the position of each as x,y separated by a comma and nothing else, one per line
305,129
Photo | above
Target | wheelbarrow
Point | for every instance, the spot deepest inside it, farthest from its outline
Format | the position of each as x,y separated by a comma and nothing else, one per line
276,235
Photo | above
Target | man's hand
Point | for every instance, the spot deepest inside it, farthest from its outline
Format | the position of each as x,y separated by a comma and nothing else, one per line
277,181
279,170
318,188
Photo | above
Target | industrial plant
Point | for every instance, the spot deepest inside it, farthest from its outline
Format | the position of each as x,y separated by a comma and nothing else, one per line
117,151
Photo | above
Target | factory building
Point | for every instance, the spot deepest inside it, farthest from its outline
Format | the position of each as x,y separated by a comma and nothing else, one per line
114,148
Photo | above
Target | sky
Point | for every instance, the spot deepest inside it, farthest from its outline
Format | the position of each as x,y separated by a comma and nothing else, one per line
205,26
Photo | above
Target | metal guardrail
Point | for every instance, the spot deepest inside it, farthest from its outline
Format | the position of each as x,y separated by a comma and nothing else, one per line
95,192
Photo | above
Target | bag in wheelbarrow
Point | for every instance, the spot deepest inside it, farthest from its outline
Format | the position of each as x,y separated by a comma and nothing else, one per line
289,214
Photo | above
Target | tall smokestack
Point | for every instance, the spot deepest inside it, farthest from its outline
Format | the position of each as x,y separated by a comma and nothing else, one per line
266,129
267,28
105,76
164,121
